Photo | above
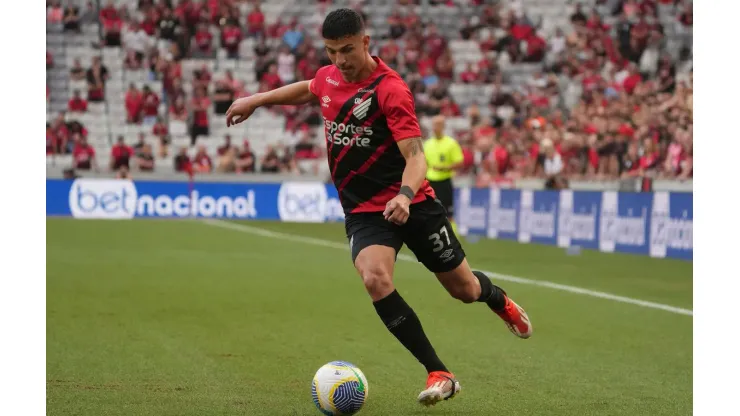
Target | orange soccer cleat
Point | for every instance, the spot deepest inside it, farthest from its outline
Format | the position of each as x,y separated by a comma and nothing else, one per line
440,386
516,319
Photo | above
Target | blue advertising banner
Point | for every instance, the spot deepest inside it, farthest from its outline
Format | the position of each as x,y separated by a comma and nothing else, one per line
503,216
625,222
472,204
672,225
657,224
538,217
124,199
578,219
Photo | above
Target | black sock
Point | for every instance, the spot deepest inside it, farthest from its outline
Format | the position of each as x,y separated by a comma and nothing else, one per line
403,323
491,294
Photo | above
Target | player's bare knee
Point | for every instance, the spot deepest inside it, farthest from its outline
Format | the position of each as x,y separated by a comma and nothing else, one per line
378,281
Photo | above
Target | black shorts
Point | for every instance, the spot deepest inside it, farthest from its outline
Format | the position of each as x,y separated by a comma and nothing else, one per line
427,233
445,194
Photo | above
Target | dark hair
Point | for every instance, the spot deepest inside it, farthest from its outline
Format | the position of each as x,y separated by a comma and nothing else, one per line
341,23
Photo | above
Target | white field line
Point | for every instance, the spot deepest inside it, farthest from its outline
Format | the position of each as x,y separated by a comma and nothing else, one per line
542,283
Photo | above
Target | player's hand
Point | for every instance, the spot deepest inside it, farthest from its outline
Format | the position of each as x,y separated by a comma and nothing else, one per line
240,110
397,210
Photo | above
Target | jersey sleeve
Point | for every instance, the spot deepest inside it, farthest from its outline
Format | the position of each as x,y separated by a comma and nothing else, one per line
317,83
314,87
397,104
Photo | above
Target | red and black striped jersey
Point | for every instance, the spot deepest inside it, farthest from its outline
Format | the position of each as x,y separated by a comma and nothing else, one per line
363,122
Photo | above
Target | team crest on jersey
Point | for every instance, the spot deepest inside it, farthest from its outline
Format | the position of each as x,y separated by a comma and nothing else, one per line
361,107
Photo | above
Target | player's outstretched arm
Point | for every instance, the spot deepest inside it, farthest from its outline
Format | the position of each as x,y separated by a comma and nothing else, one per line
292,94
397,209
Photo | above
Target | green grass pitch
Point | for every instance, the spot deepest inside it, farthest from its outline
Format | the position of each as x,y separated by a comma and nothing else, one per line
183,318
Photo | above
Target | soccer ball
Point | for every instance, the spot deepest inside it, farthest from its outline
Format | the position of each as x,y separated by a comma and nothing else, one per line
339,388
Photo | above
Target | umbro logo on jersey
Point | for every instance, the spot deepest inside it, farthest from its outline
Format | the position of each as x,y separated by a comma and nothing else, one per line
325,100
360,110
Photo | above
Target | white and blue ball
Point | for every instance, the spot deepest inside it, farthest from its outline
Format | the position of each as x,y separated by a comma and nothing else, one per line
339,388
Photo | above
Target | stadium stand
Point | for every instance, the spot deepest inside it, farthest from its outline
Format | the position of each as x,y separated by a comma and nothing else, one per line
594,89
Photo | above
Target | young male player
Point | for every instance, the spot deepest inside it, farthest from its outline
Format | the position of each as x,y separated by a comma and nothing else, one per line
377,163
444,156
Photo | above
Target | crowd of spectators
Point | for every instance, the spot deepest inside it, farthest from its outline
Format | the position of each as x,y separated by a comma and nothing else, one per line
607,100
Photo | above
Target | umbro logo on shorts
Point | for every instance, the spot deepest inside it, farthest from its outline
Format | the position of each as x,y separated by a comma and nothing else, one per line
446,255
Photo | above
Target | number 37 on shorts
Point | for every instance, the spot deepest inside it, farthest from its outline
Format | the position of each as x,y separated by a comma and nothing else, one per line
427,233
432,240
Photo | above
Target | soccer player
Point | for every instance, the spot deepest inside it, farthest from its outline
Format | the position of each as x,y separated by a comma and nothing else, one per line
377,163
444,155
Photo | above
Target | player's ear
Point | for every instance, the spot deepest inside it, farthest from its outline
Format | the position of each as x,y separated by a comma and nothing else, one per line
366,42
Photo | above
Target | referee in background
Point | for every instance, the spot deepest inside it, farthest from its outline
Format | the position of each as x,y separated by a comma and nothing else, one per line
444,156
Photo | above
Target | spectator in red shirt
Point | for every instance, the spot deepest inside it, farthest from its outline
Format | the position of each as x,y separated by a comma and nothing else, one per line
62,133
199,105
650,158
469,75
449,108
178,110
160,128
520,30
499,160
134,104
245,159
271,78
435,41
149,24
256,21
182,161
536,48
109,12
632,80
202,77
112,24
77,104
305,149
202,46
54,12
120,154
83,154
202,163
231,36
150,106
308,66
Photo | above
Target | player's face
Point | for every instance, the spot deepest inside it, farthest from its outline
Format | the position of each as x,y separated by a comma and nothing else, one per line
438,126
348,54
